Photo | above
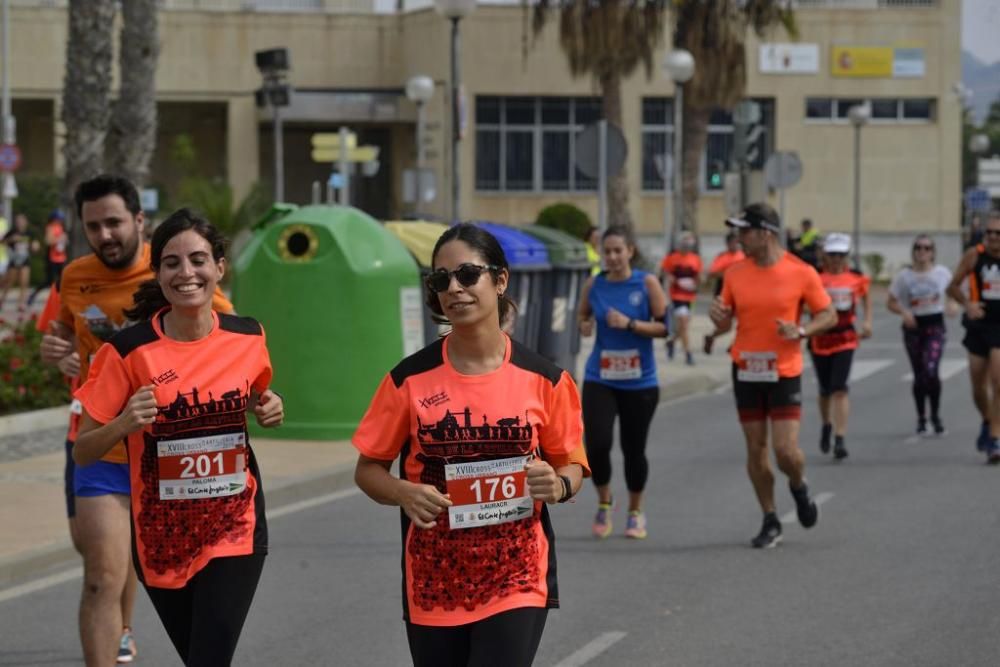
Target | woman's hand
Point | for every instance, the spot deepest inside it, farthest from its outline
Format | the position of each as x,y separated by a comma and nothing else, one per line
422,503
543,482
139,411
617,320
69,365
270,409
587,327
909,321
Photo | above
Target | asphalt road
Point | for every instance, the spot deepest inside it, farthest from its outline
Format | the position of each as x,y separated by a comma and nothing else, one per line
901,570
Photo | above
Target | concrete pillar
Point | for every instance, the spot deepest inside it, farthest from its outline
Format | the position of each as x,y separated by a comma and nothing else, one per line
242,152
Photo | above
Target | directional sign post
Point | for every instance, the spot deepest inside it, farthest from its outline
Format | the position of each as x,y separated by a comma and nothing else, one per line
782,170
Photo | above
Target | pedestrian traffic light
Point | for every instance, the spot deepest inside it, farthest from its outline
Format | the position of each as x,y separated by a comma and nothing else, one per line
716,170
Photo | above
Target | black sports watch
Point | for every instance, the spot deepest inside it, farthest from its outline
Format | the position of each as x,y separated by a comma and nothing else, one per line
631,325
567,489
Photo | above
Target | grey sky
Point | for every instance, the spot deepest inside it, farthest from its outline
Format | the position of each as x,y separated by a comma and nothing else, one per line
980,28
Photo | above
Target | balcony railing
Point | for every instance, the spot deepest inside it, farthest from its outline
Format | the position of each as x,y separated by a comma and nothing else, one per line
867,4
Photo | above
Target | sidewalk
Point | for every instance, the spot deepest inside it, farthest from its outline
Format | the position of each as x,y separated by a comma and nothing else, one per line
32,506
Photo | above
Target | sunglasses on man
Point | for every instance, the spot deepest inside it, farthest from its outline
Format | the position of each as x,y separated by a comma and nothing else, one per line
466,274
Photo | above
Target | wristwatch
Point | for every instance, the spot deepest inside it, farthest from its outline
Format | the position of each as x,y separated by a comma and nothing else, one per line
567,489
802,332
631,325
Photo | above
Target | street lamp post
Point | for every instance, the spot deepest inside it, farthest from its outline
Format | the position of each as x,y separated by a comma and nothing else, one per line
8,130
679,65
859,115
276,93
455,11
419,89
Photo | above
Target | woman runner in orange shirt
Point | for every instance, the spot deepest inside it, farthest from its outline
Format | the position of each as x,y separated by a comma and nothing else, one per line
488,433
187,376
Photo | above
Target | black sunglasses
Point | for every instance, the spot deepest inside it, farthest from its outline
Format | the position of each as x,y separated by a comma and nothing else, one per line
992,232
836,254
467,275
922,246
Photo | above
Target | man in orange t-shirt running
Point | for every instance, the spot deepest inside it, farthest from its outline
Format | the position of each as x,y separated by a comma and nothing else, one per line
765,295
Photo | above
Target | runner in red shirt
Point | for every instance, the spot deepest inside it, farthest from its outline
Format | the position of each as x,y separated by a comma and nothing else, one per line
681,270
487,433
732,254
833,350
765,294
177,388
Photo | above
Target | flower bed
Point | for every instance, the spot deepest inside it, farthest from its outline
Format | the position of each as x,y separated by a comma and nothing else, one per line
25,382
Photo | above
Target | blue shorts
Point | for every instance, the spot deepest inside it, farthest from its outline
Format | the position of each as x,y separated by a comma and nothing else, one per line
101,479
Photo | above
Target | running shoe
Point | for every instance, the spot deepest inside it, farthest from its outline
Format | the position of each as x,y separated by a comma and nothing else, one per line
670,349
707,344
602,520
805,508
689,359
635,528
824,438
839,450
922,428
126,648
993,452
939,429
770,533
984,439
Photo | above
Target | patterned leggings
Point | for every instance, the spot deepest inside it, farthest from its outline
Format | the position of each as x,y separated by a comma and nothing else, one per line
924,346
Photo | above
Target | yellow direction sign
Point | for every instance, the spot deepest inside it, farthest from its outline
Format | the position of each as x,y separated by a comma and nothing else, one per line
332,140
359,154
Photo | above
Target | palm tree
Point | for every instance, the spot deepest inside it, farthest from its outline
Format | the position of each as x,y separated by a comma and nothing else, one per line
131,138
608,40
715,33
85,97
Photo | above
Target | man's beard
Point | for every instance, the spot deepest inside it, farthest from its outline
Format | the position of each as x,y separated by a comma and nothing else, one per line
125,258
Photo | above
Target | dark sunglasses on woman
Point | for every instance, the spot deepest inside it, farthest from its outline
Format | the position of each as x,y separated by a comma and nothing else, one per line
466,274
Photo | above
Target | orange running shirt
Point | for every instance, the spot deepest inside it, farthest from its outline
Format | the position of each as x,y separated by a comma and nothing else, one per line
195,486
724,260
761,296
684,269
441,423
845,289
93,300
50,313
57,251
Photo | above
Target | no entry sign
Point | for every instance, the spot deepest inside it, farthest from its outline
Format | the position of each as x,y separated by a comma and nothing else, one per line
10,157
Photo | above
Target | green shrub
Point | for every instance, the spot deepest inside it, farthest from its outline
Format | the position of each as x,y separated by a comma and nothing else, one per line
25,382
566,218
875,262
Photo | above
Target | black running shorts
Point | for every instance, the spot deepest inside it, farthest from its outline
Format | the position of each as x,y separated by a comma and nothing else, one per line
757,401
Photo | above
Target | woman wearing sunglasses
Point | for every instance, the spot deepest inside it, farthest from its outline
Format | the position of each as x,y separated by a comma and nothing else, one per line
833,350
488,433
918,294
620,382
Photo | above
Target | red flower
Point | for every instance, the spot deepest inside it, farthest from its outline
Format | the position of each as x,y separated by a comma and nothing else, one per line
22,390
15,363
7,377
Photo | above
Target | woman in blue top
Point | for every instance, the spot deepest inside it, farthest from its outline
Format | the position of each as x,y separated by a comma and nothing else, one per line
628,307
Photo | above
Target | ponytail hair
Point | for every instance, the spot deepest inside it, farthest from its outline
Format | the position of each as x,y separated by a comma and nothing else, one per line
149,298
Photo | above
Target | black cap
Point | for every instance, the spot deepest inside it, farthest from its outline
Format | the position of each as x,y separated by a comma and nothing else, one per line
756,216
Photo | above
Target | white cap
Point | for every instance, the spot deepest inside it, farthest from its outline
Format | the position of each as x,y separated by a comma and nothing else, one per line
837,243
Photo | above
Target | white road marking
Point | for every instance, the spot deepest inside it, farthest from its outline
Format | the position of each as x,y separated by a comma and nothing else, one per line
865,367
949,369
592,649
41,584
51,580
819,499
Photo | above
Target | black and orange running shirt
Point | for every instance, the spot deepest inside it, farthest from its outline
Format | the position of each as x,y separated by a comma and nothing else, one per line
196,491
470,436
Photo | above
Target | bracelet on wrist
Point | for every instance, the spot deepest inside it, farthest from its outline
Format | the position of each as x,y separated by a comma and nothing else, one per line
567,489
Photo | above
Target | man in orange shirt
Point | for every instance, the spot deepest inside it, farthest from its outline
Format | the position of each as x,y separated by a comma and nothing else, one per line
765,295
681,270
56,241
732,254
95,290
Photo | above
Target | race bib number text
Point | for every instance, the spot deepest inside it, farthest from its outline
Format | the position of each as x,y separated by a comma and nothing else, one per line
486,493
206,467
758,367
620,365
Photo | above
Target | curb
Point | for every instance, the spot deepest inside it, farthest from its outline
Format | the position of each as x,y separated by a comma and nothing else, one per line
36,420
691,385
60,555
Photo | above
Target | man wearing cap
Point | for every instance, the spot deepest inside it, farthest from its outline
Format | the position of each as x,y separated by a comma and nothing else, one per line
833,350
764,294
56,242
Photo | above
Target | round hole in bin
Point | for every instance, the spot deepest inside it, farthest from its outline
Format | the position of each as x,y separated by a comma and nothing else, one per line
298,243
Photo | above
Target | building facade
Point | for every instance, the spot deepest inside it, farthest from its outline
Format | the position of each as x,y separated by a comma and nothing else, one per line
350,60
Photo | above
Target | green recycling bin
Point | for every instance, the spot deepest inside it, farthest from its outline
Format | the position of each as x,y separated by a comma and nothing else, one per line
340,301
419,238
559,336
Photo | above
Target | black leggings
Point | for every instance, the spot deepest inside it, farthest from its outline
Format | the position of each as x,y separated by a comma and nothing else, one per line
507,639
601,404
924,347
204,619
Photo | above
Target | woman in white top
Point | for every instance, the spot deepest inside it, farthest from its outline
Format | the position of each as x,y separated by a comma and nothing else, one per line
918,294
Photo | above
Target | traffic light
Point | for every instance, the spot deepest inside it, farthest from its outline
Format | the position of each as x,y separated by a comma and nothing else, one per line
716,172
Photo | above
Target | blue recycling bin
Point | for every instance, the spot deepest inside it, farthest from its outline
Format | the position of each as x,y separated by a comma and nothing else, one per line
529,265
